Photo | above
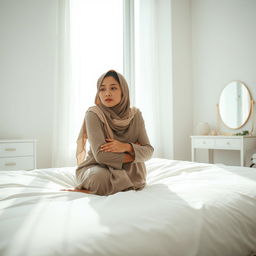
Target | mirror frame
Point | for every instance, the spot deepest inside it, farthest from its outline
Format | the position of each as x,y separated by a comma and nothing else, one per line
251,105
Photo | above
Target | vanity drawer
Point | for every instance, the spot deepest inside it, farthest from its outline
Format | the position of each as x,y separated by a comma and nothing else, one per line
228,143
17,163
16,149
203,143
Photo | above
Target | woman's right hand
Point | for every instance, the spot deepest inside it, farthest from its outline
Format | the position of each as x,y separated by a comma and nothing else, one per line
115,146
128,158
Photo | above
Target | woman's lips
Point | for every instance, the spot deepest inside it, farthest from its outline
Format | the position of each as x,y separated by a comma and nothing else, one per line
108,100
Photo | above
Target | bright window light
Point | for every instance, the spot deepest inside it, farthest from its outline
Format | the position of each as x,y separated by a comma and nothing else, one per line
96,46
96,34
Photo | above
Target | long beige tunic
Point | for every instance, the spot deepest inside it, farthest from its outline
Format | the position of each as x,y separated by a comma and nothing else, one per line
104,173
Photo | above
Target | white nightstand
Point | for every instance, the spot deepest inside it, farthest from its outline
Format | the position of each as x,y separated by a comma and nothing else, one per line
245,144
17,154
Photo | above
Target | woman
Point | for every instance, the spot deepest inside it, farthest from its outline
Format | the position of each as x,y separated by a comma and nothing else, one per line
119,144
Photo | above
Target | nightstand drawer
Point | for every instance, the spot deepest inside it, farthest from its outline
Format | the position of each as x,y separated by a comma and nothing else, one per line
17,163
228,143
203,143
16,149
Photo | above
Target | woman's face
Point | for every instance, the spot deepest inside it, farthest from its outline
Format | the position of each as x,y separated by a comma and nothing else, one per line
110,92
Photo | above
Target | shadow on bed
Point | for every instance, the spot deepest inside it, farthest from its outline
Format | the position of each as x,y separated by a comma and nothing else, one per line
246,172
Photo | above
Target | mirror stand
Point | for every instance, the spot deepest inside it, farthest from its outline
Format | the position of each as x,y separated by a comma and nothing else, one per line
252,115
218,119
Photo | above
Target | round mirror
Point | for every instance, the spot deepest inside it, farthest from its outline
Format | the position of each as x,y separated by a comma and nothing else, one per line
235,104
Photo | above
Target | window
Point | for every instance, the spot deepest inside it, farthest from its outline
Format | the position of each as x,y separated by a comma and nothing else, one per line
96,41
98,35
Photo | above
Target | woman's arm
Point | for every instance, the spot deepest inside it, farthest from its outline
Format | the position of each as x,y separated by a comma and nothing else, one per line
143,150
140,151
96,137
113,145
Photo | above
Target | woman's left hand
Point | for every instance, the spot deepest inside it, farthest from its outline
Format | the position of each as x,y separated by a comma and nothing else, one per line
114,146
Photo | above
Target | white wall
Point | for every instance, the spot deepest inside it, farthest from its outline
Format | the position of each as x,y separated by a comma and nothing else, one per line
223,49
28,72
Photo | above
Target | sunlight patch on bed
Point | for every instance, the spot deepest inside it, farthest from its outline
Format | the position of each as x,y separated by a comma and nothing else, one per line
51,220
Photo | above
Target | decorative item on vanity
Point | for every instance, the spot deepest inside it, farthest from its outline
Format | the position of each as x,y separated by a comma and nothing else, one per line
235,106
213,132
203,128
253,160
243,133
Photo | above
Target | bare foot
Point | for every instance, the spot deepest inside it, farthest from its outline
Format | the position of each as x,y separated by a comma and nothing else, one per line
77,190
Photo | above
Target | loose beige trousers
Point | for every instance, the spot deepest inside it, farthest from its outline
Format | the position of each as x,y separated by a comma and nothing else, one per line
103,181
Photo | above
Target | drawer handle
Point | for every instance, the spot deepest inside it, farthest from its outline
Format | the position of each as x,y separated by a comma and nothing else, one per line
10,164
203,142
10,149
228,143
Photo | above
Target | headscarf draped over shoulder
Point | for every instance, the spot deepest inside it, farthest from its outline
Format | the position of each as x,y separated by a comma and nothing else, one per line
115,119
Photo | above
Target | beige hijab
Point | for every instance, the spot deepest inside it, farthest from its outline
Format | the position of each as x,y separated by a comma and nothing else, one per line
115,119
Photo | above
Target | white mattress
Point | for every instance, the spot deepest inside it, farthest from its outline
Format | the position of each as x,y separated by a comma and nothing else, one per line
185,209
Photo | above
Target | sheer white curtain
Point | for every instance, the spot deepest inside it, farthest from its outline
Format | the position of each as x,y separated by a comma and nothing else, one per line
94,39
153,71
62,154
90,43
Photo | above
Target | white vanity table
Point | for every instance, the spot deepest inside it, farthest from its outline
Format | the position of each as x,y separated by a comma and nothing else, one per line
245,144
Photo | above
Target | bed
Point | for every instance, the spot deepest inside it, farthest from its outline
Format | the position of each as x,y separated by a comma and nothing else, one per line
186,209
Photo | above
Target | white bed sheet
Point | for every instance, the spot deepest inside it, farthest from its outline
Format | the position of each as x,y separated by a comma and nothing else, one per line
186,209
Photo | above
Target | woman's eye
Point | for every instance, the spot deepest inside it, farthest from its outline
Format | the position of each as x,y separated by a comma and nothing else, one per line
113,88
102,89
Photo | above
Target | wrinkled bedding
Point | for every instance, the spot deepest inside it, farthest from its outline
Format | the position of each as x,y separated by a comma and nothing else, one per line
186,209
